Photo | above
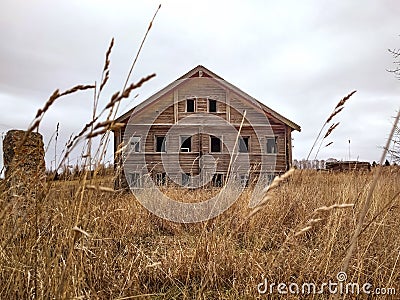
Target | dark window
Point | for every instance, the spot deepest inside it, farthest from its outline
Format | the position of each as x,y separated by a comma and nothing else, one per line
160,144
272,145
186,144
190,105
244,144
215,144
161,178
212,105
185,179
218,180
270,178
244,180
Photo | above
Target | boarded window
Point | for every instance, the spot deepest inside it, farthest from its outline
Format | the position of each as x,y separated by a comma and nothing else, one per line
135,144
160,144
212,105
186,144
244,144
218,180
190,105
272,145
216,144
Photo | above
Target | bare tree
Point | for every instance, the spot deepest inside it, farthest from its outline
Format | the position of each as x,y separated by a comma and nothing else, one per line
396,61
395,148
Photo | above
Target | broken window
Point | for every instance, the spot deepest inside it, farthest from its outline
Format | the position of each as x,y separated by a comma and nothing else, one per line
161,178
244,180
185,179
135,144
272,145
244,144
135,180
160,144
186,144
218,180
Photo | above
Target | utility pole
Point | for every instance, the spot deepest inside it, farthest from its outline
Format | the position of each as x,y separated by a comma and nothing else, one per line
349,151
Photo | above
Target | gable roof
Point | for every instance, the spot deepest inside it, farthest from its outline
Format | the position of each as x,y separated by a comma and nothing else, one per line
207,73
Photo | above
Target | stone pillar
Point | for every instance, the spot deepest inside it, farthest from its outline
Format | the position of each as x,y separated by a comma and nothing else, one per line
24,163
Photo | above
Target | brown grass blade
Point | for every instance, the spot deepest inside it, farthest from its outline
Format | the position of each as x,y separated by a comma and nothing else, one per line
329,131
343,101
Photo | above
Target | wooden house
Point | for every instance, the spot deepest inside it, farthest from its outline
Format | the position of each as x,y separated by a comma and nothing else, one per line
197,130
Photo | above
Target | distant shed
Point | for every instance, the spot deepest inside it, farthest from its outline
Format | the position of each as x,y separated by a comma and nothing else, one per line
342,166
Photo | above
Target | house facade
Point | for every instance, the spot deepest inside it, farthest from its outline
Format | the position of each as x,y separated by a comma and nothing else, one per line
201,130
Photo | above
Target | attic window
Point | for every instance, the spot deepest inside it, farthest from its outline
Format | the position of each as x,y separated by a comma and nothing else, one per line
190,105
212,105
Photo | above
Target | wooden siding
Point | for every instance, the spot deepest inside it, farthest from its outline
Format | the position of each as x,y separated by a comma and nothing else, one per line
200,146
202,88
168,117
200,143
157,112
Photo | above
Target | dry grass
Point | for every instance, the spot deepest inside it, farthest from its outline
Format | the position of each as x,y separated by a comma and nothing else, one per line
118,249
82,240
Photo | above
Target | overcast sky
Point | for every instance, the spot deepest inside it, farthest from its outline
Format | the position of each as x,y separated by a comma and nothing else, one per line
297,57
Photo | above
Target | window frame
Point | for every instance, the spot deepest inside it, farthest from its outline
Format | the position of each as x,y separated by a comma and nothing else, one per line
275,138
137,182
133,146
270,178
182,139
160,179
164,143
209,105
185,179
244,180
214,180
242,138
194,105
220,144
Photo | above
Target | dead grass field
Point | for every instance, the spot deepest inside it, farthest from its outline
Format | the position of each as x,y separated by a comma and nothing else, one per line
120,250
82,240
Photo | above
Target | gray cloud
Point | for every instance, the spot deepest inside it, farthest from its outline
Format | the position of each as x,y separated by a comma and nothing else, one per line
299,58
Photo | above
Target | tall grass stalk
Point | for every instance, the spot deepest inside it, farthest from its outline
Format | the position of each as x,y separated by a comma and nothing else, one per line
367,203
